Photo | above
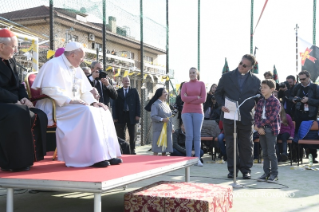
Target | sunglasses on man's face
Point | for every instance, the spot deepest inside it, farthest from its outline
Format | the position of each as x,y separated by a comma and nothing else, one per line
302,79
244,65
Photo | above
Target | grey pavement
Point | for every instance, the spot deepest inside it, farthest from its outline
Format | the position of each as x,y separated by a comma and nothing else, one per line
296,190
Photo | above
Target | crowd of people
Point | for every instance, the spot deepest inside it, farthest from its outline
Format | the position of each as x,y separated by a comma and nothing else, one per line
87,132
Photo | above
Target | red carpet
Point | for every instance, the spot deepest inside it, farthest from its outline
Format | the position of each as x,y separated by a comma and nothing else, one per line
56,170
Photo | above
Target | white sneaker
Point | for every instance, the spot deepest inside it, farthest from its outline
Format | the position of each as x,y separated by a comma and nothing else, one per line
199,164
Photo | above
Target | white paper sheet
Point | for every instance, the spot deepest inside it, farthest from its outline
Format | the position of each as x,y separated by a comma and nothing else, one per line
231,106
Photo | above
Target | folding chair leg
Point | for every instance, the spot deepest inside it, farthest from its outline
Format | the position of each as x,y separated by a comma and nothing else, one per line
298,154
291,154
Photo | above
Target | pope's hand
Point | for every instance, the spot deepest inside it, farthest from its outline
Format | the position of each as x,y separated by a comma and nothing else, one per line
78,101
95,93
99,104
26,102
18,103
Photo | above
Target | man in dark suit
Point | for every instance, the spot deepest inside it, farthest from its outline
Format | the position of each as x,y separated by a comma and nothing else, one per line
126,111
103,86
22,127
239,85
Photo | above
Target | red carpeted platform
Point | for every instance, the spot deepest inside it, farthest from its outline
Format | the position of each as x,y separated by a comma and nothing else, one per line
54,175
56,170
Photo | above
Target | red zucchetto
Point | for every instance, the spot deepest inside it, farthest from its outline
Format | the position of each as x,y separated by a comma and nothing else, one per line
6,33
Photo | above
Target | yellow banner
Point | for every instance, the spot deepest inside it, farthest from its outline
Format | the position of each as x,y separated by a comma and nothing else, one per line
118,73
125,73
50,53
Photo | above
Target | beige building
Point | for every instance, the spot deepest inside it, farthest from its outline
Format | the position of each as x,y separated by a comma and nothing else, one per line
123,51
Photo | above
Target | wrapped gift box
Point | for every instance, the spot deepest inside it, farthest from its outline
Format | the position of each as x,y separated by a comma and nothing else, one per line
166,196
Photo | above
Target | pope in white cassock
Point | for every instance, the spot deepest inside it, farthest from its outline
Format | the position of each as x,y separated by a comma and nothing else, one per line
85,130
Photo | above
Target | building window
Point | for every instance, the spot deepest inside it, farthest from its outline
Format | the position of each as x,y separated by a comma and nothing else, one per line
73,38
148,59
97,46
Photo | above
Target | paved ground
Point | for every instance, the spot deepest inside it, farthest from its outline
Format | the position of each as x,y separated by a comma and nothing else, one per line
297,190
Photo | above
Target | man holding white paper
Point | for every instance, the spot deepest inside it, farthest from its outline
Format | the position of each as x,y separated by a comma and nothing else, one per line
237,86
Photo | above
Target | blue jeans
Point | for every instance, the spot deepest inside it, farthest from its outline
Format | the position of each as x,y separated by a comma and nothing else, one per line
177,153
222,144
193,125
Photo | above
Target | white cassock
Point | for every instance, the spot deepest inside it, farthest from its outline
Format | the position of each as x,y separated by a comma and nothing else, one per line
85,135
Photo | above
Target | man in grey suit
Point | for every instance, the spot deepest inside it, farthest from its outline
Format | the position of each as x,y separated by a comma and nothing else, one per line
239,85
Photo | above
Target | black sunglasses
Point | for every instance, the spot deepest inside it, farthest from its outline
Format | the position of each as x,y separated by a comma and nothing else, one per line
302,79
245,66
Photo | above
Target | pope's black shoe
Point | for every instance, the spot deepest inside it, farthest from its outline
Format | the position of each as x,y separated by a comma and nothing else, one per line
115,161
17,170
101,164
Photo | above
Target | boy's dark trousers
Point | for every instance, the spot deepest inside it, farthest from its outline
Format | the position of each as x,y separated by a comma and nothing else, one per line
268,145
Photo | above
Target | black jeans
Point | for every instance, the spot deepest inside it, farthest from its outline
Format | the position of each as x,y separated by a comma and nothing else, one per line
244,158
121,130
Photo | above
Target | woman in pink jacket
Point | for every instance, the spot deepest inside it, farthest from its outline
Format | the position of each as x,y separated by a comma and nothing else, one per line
193,95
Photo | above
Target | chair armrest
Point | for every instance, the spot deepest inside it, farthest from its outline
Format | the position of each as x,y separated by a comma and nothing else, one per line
36,98
43,96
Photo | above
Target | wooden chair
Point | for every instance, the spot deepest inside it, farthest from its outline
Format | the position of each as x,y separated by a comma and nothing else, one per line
35,95
289,142
314,127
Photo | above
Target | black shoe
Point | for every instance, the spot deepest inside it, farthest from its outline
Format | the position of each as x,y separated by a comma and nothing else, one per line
133,152
101,164
16,170
283,157
115,161
246,176
201,160
231,175
225,158
315,161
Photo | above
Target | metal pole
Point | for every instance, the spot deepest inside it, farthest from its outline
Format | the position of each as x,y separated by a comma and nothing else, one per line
97,54
198,38
97,202
104,35
167,47
297,27
142,73
314,21
51,26
187,174
251,27
9,199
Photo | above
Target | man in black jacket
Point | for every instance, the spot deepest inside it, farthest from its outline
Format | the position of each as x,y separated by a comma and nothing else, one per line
286,94
126,111
103,86
22,127
239,85
306,107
